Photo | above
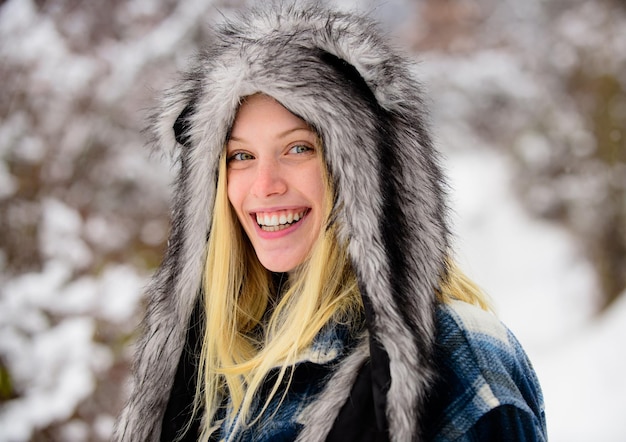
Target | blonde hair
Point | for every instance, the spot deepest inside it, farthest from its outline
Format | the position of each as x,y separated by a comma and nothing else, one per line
457,286
240,345
242,340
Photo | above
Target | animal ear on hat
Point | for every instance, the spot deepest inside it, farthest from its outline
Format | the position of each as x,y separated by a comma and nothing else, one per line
351,74
182,125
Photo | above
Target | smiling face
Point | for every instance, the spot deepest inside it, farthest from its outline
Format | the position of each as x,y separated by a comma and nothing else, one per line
275,182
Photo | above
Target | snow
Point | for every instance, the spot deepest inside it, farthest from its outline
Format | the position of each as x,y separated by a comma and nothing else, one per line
584,383
54,362
7,182
60,237
531,268
67,353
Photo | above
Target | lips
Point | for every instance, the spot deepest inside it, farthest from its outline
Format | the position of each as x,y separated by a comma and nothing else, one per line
279,220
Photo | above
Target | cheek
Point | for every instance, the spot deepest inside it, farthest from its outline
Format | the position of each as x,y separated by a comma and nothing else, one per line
316,187
234,192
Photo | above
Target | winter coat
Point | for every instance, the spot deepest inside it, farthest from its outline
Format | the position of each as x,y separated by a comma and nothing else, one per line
420,369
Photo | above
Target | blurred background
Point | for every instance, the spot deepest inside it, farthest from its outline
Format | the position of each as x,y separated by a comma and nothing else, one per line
528,108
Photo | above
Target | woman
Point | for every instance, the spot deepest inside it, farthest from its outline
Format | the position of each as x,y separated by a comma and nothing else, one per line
308,291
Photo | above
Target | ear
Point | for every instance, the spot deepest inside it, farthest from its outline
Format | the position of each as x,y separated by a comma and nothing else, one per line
182,125
170,123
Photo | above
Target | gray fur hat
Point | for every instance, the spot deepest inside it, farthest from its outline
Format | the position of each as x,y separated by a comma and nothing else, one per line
337,72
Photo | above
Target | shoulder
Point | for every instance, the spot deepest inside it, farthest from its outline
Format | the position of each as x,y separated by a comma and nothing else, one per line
482,368
467,319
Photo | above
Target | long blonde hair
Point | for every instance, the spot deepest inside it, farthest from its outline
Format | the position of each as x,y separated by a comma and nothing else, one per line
243,339
241,344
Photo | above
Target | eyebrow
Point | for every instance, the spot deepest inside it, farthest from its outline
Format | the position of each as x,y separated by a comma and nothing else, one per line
282,134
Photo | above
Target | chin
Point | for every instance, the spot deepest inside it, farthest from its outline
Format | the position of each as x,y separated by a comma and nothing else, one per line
280,266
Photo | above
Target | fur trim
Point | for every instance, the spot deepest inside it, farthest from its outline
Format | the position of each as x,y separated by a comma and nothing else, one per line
318,417
337,72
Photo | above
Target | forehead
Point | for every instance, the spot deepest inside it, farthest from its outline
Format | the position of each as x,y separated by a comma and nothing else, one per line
261,115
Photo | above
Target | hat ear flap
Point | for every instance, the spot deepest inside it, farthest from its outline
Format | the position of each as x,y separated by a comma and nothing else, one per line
182,126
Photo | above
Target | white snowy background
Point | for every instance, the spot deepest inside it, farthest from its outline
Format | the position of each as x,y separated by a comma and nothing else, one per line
83,207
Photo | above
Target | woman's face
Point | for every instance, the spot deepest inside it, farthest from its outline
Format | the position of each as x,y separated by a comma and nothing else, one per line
275,182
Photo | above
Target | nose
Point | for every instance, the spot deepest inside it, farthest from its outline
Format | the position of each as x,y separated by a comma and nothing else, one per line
269,180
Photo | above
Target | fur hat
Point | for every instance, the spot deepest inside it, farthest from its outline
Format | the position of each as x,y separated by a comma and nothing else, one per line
337,72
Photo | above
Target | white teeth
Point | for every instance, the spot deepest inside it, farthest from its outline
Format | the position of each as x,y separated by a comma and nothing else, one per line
275,221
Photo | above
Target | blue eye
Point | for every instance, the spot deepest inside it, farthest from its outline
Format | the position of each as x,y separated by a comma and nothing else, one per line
240,156
301,148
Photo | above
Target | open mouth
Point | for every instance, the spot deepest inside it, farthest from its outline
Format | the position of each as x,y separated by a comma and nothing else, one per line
281,220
